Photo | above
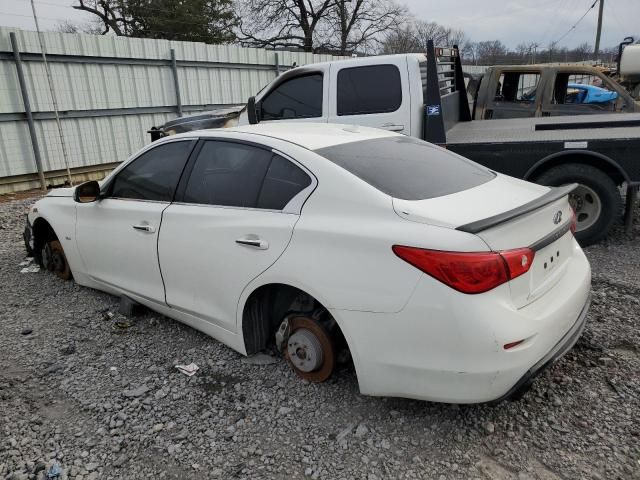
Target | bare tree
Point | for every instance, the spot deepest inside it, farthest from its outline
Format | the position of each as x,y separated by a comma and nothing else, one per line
400,40
282,23
357,24
92,27
490,50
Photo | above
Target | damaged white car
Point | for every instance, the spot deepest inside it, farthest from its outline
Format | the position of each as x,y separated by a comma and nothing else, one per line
440,279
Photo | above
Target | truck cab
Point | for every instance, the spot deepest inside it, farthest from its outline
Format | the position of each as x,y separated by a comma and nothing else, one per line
520,91
382,92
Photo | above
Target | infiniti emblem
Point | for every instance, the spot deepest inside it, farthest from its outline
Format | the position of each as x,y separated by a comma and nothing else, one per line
557,218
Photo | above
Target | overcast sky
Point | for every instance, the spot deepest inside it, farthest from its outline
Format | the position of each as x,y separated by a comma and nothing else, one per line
512,21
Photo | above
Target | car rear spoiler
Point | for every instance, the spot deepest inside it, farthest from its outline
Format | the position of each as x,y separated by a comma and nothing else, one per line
551,196
446,101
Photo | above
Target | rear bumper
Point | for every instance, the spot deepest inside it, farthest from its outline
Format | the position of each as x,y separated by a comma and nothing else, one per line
561,348
448,347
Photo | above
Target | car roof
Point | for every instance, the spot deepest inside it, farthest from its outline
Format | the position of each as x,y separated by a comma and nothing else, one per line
308,135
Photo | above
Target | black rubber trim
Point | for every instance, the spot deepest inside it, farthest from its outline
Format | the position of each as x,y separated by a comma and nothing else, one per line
552,237
582,125
551,196
565,344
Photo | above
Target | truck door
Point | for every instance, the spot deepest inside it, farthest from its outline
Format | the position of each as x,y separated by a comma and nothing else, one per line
373,94
301,97
583,93
512,94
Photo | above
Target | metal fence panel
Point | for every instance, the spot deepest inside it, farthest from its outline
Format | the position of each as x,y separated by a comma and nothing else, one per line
105,87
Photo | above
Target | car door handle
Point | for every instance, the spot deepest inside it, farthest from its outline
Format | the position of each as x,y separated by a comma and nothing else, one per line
253,242
393,127
144,228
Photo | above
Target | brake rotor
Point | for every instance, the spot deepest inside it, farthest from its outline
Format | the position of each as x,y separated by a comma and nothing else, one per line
59,264
309,349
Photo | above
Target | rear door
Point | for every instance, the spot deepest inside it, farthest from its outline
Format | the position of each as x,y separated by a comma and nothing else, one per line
372,94
234,217
117,236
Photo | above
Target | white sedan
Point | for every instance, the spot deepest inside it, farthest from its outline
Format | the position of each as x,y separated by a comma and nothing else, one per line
441,279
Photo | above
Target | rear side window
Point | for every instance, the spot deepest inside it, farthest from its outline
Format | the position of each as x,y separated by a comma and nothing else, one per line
407,168
517,87
300,97
283,181
227,174
367,90
153,175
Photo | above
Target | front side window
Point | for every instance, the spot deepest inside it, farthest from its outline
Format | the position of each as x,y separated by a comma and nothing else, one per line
583,89
154,175
368,90
299,97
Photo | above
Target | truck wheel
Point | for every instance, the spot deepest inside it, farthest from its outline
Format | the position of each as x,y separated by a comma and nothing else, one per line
596,201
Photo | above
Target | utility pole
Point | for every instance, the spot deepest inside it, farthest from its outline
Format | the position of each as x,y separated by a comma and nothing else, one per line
599,31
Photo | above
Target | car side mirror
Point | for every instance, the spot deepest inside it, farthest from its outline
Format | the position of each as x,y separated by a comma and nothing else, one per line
252,111
87,192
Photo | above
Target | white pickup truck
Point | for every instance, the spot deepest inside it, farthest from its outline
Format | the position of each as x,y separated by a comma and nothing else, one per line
424,96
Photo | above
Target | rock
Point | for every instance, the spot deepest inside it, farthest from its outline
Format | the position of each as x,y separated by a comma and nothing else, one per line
26,331
489,427
385,444
344,432
362,430
135,392
259,359
284,411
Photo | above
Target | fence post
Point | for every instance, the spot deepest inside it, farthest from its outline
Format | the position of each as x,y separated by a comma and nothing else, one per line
174,69
277,65
27,110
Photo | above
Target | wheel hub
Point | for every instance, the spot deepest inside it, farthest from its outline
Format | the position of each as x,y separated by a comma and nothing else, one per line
305,350
587,205
309,348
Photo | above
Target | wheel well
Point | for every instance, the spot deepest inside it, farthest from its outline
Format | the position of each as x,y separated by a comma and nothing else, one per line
42,233
598,161
267,306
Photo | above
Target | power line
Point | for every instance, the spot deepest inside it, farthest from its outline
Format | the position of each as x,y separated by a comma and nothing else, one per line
576,24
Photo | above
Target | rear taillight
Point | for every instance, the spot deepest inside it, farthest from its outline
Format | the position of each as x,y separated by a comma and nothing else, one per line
574,221
474,272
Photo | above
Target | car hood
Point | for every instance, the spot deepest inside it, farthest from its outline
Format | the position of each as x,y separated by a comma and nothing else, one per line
61,192
496,196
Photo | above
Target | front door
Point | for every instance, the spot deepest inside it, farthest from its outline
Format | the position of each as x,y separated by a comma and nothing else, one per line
232,222
117,235
372,95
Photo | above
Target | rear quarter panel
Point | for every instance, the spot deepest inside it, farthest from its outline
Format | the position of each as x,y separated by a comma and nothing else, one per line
341,249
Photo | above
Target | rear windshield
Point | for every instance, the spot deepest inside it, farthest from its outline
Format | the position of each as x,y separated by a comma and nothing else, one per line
407,168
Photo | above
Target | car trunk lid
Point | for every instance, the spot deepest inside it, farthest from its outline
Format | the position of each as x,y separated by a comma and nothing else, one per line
508,214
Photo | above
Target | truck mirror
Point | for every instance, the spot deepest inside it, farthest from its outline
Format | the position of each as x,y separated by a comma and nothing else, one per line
87,192
252,113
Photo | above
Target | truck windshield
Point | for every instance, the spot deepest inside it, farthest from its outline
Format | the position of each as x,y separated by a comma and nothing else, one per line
407,168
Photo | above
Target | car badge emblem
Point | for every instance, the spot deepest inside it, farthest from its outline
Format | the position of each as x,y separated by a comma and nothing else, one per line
557,218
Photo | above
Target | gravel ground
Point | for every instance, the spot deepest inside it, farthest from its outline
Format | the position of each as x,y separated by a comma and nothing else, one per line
102,401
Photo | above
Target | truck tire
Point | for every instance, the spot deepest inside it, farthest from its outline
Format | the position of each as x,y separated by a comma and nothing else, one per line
596,201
